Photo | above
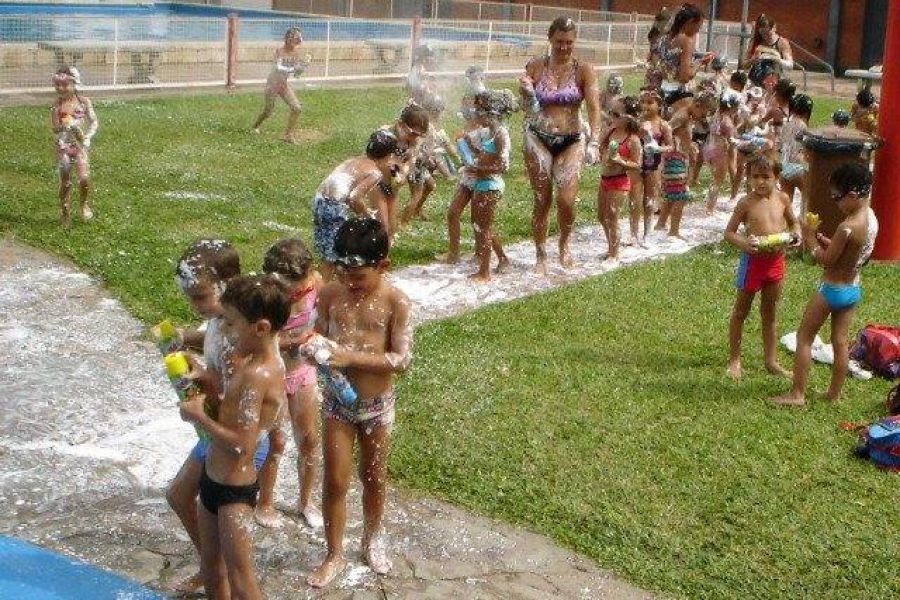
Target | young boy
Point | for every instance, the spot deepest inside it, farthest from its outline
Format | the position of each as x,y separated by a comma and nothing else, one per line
345,190
254,309
842,256
763,211
368,319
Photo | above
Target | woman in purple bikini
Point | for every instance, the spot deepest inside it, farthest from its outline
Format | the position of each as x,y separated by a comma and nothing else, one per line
553,87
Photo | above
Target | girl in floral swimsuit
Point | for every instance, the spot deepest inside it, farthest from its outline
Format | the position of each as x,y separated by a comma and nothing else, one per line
288,61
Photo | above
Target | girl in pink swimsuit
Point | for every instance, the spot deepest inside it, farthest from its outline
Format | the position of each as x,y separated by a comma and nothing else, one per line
74,122
292,261
623,161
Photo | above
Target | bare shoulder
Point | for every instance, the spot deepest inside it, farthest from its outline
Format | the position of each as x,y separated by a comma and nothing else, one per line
744,202
586,71
534,65
329,292
784,198
397,298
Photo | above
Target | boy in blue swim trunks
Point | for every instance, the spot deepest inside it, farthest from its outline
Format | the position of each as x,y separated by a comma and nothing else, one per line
254,309
368,320
345,192
837,295
762,212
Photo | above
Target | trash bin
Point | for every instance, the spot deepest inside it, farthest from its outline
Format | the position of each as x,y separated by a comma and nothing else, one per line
827,148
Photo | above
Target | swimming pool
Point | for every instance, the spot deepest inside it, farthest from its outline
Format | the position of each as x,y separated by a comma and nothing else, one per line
176,22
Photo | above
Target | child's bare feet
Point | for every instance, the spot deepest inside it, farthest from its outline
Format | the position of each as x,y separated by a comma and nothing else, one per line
503,266
830,396
540,263
610,262
734,369
191,585
375,553
327,571
565,259
86,213
450,259
255,130
789,399
777,369
630,242
290,138
267,516
312,516
479,277
676,237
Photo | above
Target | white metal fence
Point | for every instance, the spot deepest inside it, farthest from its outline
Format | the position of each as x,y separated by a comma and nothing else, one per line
172,52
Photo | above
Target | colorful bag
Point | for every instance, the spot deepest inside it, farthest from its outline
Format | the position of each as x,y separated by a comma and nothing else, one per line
878,348
880,443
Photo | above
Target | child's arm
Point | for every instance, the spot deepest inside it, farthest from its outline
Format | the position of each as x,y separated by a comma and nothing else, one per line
635,150
355,199
824,251
192,338
746,243
55,123
399,354
792,222
92,123
240,436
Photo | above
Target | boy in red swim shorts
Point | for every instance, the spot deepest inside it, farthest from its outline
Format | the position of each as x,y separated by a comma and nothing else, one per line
762,212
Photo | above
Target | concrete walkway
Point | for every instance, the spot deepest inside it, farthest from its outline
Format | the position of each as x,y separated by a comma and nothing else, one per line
89,437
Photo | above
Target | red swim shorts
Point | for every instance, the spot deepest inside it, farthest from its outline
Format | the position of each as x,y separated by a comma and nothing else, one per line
758,270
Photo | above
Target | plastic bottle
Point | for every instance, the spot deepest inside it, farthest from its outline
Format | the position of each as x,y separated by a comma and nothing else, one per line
812,219
177,368
465,151
334,380
166,337
777,240
613,148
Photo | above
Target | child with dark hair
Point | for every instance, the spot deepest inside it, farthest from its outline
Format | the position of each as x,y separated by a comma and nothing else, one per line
864,112
718,149
764,211
793,161
657,138
612,93
254,309
201,273
779,108
842,257
840,118
346,189
738,81
292,262
75,123
623,159
368,322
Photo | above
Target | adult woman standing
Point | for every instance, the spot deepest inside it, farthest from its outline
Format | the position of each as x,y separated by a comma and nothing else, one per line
554,86
676,52
769,53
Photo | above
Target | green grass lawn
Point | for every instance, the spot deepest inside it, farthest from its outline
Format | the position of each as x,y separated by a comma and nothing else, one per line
597,414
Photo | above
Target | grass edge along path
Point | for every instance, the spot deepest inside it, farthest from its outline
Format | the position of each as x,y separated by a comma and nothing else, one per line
606,422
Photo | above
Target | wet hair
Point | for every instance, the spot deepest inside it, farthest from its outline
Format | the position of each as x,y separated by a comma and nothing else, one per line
259,297
688,13
802,105
382,143
768,161
865,98
361,242
729,101
291,30
561,23
496,102
739,78
632,108
852,177
207,261
761,21
785,88
840,117
415,117
288,258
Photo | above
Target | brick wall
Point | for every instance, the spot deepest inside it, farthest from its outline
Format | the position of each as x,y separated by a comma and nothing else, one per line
802,21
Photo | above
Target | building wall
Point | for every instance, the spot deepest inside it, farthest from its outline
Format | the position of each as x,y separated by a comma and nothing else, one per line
802,21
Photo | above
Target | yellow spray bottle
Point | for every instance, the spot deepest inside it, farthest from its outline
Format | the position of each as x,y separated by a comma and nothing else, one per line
177,368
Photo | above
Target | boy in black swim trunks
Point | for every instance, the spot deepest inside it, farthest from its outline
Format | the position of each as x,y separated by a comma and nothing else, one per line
254,309
367,319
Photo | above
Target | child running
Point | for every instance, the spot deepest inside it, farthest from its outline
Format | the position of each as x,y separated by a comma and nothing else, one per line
369,321
763,212
288,61
657,137
484,178
345,191
75,123
201,274
842,257
717,151
291,261
254,309
623,157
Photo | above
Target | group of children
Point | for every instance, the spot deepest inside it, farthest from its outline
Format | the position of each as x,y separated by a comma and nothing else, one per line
264,340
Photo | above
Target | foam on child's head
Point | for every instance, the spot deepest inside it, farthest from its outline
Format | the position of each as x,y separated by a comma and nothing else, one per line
767,162
259,297
207,262
288,258
381,144
361,242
